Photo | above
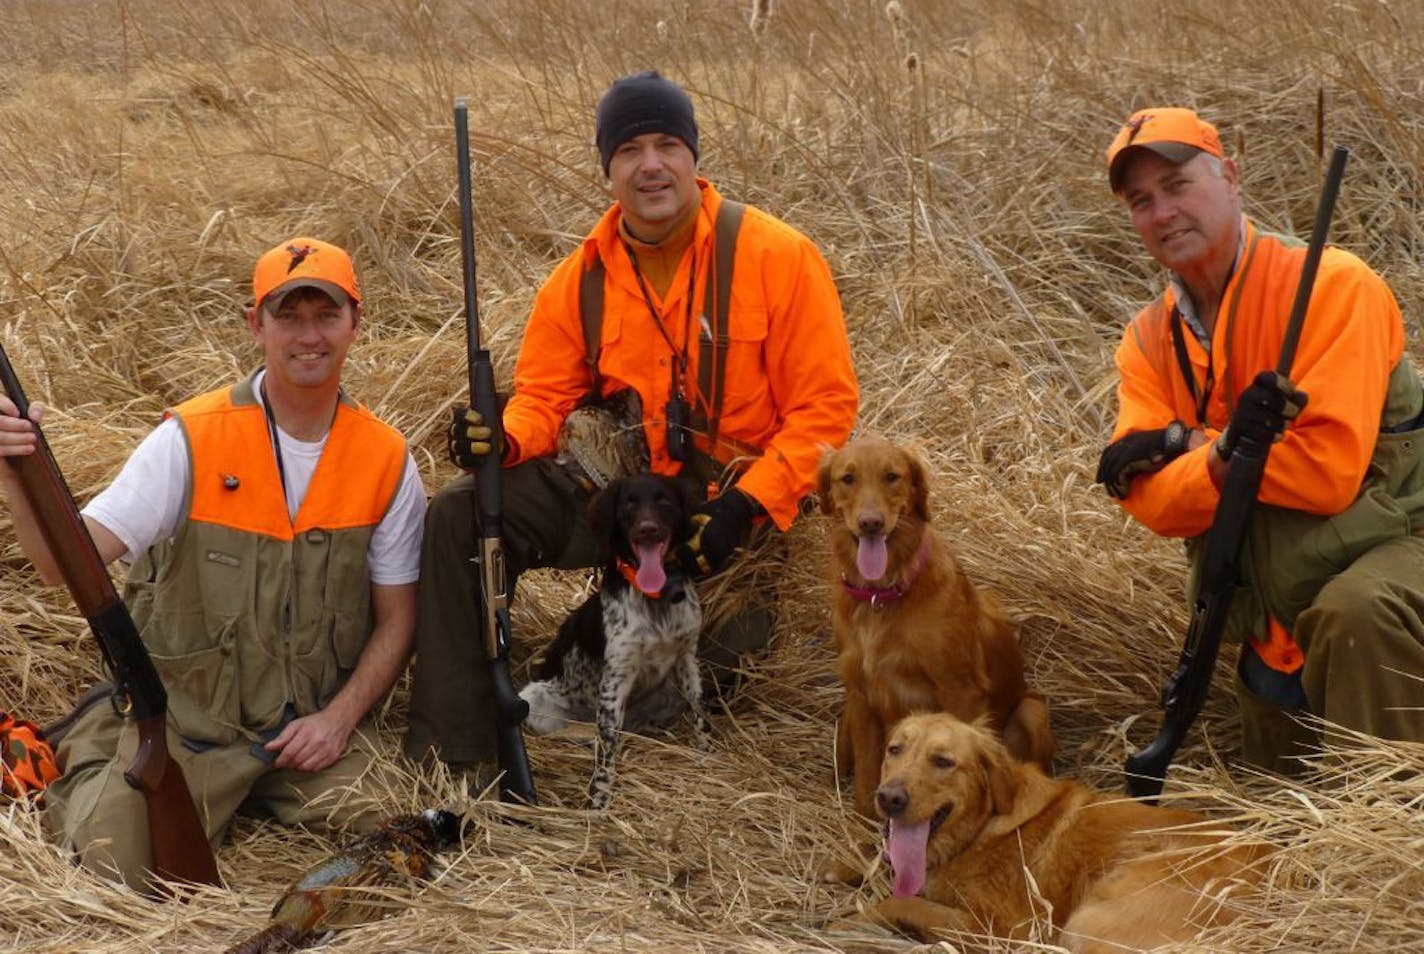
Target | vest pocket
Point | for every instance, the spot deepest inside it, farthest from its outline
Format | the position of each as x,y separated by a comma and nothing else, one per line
202,682
323,667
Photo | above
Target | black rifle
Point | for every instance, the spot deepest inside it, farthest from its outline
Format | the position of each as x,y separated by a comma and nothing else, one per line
175,834
516,782
1186,688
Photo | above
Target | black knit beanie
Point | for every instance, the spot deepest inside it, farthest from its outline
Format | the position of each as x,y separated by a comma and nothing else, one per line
643,103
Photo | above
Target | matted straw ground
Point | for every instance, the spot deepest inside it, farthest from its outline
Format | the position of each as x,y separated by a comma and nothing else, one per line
946,157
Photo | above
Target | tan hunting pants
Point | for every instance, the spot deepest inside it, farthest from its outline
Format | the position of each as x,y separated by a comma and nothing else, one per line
92,811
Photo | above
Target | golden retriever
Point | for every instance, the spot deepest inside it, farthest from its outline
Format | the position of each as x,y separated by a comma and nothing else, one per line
981,843
912,632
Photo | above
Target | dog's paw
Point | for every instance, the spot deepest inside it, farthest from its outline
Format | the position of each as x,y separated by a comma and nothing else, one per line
856,923
839,871
701,737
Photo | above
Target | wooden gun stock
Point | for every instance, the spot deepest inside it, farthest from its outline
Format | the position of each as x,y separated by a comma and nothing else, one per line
179,843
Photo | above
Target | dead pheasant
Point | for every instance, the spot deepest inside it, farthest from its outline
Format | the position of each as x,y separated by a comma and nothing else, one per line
333,894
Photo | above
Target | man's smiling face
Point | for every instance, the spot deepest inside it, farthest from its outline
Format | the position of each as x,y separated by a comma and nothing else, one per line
1186,214
654,178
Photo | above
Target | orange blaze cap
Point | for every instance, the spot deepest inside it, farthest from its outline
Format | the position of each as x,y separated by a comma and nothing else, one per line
1173,133
304,262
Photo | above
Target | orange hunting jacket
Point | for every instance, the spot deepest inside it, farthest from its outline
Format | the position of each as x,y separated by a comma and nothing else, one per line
1351,341
790,389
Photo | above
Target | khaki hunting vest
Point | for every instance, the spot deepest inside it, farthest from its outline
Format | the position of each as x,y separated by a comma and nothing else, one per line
246,610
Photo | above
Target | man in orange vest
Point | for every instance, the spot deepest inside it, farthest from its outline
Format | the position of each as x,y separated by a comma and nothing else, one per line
1331,614
741,389
274,533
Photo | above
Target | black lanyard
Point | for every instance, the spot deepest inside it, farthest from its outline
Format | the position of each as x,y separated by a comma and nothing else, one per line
276,442
1179,343
679,371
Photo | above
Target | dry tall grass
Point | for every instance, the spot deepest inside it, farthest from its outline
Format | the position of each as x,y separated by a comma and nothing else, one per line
946,158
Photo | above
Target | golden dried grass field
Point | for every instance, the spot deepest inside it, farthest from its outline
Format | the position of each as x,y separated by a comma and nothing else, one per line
947,159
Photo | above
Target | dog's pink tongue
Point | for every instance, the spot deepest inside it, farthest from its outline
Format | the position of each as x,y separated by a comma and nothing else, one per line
651,575
906,847
871,558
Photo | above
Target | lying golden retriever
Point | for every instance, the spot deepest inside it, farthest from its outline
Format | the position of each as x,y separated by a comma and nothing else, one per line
984,844
912,632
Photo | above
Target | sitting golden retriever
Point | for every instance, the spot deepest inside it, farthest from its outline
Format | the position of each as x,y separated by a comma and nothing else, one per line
912,632
984,844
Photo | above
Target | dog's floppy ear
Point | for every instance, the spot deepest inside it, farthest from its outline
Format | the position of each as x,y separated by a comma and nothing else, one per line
686,505
823,483
1000,773
920,480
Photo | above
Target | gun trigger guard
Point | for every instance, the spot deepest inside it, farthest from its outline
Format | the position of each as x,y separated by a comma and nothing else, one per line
122,703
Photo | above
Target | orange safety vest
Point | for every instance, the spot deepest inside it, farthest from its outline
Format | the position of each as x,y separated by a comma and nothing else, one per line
247,609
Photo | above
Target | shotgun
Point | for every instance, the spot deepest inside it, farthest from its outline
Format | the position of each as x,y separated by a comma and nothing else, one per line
516,782
1186,689
175,834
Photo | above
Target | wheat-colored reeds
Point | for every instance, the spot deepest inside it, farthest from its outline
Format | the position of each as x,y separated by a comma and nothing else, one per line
150,149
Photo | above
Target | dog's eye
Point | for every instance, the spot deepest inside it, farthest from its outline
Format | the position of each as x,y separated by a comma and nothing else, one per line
847,479
892,477
894,749
943,762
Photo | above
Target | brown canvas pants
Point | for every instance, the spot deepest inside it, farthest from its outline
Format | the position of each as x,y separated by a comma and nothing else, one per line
93,812
1363,638
544,525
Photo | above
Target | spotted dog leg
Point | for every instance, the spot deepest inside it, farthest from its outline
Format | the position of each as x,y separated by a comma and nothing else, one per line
613,690
689,683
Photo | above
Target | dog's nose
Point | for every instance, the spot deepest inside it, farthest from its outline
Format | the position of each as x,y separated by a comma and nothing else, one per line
892,798
647,531
871,524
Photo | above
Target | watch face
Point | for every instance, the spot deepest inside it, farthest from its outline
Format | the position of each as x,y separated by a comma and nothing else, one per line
1176,437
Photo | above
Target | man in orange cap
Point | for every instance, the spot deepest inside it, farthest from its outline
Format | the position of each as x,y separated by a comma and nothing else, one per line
1331,613
273,529
730,343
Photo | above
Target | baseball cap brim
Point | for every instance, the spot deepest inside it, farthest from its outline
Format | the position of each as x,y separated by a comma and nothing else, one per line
334,291
1174,152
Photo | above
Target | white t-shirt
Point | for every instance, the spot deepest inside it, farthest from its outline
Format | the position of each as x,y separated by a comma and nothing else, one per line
143,505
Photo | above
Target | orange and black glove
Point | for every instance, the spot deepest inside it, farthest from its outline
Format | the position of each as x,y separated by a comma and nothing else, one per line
721,526
1262,413
1141,452
29,760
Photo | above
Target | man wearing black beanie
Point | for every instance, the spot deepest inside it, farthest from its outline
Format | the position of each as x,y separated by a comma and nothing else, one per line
643,103
720,326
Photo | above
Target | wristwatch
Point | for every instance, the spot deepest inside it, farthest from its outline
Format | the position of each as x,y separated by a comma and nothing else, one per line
1174,440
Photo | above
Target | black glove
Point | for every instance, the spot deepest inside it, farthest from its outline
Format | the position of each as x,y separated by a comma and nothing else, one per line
1262,413
1141,452
468,438
721,526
